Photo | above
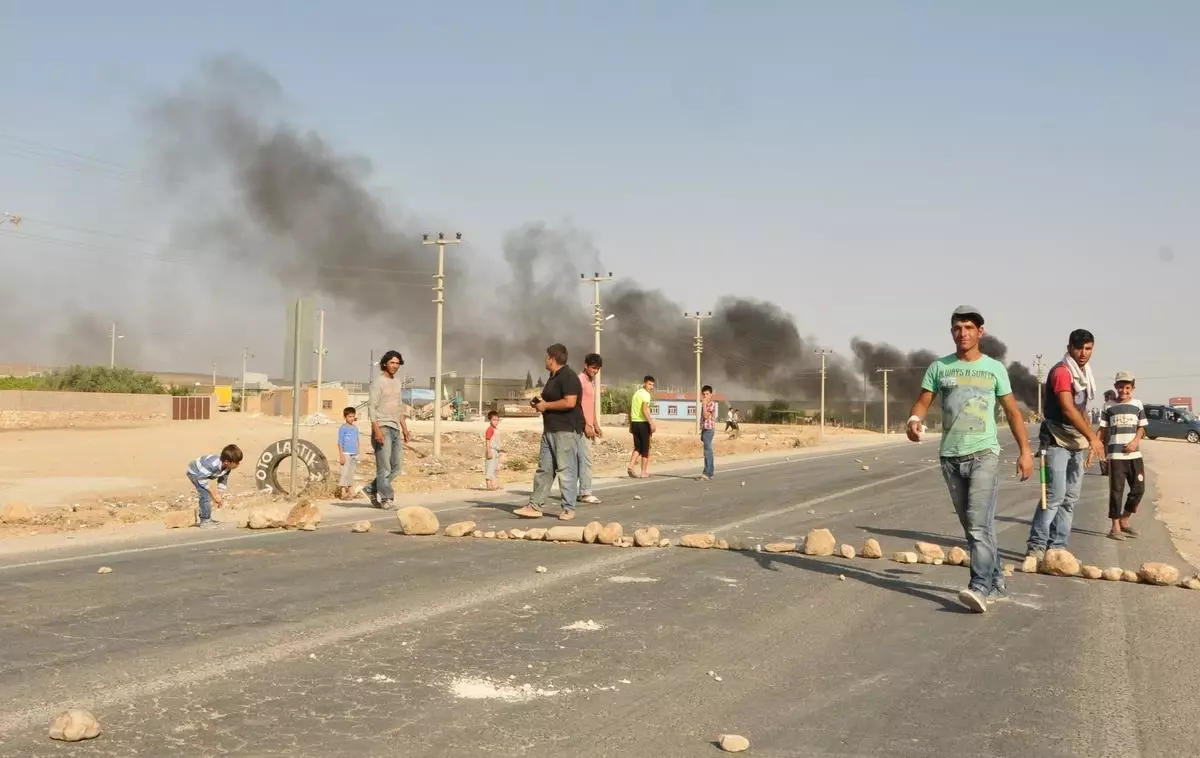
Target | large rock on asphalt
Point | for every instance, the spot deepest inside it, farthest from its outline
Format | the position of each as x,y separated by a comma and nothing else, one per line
591,532
459,529
1161,574
16,512
1191,583
1129,575
1091,572
1060,562
733,743
611,534
1112,574
417,520
819,542
261,519
647,536
958,557
701,540
872,549
536,534
361,527
302,516
74,725
928,552
905,557
780,547
564,534
847,552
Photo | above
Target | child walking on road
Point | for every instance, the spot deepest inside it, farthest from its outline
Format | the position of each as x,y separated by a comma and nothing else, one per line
207,469
491,452
1122,427
348,453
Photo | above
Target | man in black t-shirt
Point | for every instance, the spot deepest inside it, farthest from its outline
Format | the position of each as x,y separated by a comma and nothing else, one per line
562,423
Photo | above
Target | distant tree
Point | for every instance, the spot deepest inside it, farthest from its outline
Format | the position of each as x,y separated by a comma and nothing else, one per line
615,400
540,383
528,380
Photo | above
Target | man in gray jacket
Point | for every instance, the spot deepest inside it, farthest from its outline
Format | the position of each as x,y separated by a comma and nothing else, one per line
389,430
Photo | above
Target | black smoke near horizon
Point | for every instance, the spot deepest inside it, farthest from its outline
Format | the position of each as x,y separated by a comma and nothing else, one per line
292,216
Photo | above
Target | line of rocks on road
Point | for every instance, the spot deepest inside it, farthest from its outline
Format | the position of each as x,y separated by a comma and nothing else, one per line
416,520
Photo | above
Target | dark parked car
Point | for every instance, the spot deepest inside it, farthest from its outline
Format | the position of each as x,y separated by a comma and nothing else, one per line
1172,423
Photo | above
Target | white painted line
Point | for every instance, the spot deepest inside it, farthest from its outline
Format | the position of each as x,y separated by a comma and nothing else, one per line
452,506
299,642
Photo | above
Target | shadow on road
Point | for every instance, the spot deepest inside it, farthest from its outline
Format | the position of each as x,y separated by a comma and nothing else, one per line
889,579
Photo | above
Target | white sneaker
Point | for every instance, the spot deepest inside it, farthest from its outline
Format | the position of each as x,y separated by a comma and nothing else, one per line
973,600
589,499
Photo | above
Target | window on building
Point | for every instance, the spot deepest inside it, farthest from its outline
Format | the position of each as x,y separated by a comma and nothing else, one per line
653,409
513,395
691,410
673,410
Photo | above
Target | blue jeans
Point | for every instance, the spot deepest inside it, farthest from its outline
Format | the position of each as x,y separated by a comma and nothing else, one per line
706,436
557,460
583,463
1051,528
205,498
974,481
389,457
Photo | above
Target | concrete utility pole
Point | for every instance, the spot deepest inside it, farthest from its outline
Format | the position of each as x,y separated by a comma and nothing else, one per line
296,392
598,320
481,388
214,384
112,350
320,351
823,354
885,372
1038,363
245,357
698,346
864,400
439,289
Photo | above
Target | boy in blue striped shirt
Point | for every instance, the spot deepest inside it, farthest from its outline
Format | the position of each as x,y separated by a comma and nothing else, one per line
1122,427
207,469
348,452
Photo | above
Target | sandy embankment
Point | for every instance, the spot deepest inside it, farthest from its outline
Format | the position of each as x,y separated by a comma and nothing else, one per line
1174,471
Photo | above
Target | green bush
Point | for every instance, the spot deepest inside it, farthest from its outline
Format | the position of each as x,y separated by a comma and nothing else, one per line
89,379
616,399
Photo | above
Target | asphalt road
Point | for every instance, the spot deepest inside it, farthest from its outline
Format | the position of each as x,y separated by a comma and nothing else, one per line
338,644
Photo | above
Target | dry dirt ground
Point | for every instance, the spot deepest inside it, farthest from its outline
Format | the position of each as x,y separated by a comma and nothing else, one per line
1174,473
89,477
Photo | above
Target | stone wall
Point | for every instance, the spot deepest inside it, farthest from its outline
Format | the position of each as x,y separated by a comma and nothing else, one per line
21,409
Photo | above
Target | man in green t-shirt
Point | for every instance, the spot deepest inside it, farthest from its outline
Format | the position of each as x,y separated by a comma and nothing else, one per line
641,426
969,383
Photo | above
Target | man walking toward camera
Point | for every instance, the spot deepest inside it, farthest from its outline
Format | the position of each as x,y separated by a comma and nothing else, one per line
562,425
389,430
970,383
1066,437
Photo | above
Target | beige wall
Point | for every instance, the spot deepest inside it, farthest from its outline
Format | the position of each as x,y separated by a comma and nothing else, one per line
96,402
279,402
20,409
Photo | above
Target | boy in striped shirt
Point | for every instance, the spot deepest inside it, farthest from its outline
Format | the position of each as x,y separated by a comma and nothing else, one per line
207,469
1122,426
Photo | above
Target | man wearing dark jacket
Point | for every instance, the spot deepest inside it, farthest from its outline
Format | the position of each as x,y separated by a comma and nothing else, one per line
562,424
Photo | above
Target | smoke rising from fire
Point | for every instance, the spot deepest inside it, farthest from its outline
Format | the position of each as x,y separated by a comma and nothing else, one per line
284,209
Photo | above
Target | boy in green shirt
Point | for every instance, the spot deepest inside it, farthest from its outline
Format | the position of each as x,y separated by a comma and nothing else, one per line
641,427
969,383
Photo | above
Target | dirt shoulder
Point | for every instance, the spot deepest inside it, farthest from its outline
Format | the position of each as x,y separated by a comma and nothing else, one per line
78,480
1174,468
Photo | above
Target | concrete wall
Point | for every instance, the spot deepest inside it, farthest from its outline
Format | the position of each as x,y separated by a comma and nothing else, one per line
279,402
21,409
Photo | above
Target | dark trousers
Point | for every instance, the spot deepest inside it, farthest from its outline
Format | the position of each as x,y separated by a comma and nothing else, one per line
1120,473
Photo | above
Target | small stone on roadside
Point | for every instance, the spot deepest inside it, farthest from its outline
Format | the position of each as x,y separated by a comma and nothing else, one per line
733,743
74,725
361,527
104,570
542,569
